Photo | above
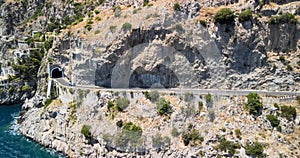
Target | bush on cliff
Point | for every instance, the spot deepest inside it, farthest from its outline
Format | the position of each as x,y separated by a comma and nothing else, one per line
284,18
255,150
85,130
245,15
164,107
273,120
224,16
288,112
254,105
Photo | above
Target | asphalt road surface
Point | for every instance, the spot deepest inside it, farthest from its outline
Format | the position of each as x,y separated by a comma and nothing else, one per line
221,92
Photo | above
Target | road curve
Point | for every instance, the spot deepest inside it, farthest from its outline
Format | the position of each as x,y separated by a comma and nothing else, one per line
222,92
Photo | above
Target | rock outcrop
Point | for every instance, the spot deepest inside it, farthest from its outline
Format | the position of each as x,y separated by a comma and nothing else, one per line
150,44
60,124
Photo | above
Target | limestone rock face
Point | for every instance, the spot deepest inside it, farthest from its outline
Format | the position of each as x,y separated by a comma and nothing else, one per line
59,125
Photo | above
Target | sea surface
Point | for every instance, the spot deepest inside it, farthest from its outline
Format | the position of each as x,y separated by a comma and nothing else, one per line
13,144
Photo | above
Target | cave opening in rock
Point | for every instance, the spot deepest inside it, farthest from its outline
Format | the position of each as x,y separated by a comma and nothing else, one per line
56,73
158,77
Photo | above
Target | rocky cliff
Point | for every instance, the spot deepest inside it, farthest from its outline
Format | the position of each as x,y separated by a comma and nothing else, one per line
237,55
161,44
128,124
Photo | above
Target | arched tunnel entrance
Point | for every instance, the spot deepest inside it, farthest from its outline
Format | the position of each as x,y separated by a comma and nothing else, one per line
56,73
159,77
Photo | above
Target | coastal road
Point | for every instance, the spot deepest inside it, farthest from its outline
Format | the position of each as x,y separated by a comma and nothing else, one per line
221,92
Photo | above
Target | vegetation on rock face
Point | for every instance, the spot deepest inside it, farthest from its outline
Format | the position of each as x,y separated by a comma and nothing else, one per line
85,130
129,126
254,105
129,137
47,103
255,150
175,132
238,133
145,2
122,103
284,18
164,107
160,143
203,23
224,16
208,98
117,105
177,6
192,137
273,120
288,112
72,117
245,15
152,95
126,26
26,68
112,29
298,99
228,146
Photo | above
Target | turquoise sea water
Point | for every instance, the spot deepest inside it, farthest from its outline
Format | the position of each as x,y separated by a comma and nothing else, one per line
14,145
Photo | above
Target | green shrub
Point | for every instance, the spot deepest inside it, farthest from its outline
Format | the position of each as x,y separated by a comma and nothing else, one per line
122,103
175,132
159,142
203,23
98,18
88,27
208,98
128,138
228,146
289,68
200,106
152,95
298,99
277,106
255,150
85,130
96,11
288,112
72,117
245,15
113,29
129,126
282,58
164,107
119,123
47,102
238,133
192,137
135,11
273,120
97,32
284,18
126,26
176,6
145,2
25,88
254,105
224,16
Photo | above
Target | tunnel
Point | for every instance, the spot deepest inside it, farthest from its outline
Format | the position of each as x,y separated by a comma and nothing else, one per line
56,73
159,77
